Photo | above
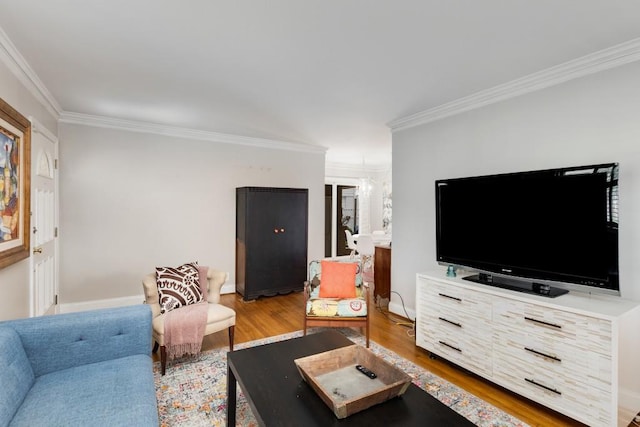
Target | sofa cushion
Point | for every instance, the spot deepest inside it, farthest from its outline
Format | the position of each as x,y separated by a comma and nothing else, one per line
117,392
16,375
178,286
62,341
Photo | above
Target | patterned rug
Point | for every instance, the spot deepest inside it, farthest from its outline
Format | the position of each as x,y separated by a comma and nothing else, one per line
194,390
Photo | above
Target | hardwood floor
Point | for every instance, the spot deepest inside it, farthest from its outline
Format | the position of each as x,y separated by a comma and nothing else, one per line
269,316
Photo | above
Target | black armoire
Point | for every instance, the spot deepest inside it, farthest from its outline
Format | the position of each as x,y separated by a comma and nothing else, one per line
271,240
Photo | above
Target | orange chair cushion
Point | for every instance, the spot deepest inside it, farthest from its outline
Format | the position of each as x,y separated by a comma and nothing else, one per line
338,279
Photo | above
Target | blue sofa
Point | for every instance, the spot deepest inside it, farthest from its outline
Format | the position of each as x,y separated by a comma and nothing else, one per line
78,369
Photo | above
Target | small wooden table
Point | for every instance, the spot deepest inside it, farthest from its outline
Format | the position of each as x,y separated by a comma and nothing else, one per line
382,275
278,396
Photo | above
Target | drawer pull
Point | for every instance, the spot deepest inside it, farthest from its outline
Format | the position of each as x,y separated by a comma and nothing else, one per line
539,353
450,346
543,386
450,297
450,322
553,325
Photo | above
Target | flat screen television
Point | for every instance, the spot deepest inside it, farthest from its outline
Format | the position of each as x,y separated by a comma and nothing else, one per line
544,232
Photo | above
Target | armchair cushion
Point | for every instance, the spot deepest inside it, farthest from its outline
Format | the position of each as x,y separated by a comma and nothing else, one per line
327,307
338,280
219,317
178,286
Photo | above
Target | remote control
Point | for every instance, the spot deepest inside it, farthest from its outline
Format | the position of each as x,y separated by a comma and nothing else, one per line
365,371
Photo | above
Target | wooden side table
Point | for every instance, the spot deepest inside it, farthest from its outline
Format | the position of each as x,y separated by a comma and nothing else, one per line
382,275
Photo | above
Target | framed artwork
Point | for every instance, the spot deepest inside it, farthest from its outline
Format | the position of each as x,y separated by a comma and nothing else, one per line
15,185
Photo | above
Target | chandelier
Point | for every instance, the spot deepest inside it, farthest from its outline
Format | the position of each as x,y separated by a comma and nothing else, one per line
364,187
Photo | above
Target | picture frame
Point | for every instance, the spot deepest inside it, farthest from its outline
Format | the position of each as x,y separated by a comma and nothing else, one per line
15,185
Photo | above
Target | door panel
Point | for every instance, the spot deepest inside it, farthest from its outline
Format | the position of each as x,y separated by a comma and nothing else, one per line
44,216
277,238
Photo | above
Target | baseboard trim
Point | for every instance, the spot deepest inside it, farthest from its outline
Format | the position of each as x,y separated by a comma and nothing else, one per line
228,288
398,309
73,307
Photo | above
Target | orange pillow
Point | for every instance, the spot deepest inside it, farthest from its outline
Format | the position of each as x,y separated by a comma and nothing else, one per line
338,279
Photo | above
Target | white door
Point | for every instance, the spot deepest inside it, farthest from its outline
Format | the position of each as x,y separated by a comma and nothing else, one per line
44,220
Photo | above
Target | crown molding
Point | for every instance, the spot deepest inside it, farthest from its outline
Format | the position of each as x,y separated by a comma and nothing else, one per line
179,132
16,63
612,57
38,127
336,168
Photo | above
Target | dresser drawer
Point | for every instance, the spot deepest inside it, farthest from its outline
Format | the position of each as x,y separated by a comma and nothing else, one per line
560,359
586,333
547,383
448,314
468,348
458,299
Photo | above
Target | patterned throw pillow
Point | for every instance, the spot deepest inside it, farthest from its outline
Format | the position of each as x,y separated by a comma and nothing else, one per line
178,286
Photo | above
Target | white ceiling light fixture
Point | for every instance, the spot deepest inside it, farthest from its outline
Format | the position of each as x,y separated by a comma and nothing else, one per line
365,185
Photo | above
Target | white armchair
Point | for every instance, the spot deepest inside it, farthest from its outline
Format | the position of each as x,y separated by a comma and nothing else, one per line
219,317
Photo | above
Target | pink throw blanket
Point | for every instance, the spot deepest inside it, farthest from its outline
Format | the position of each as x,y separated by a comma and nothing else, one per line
184,329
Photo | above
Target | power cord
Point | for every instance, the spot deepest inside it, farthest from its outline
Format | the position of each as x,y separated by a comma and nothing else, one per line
410,325
385,313
403,307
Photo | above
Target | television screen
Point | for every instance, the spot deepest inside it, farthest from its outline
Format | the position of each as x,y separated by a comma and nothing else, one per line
559,225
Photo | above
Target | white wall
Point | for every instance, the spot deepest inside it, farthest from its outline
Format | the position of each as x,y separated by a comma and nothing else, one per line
133,201
14,279
593,119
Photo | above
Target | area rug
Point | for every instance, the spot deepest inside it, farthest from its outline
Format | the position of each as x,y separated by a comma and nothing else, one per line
194,390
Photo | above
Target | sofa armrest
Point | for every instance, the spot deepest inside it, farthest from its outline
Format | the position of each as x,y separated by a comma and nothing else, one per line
62,341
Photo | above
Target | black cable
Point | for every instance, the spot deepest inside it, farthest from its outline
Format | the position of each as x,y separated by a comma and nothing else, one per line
403,307
386,314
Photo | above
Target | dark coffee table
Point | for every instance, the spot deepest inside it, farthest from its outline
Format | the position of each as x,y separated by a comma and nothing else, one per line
278,396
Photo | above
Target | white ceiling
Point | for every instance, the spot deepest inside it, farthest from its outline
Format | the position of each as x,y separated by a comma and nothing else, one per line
332,73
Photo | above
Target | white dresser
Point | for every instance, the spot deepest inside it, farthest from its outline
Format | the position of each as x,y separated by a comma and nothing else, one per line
578,354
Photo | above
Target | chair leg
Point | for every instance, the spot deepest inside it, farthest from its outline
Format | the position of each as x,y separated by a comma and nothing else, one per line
231,331
163,359
155,347
367,327
367,334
